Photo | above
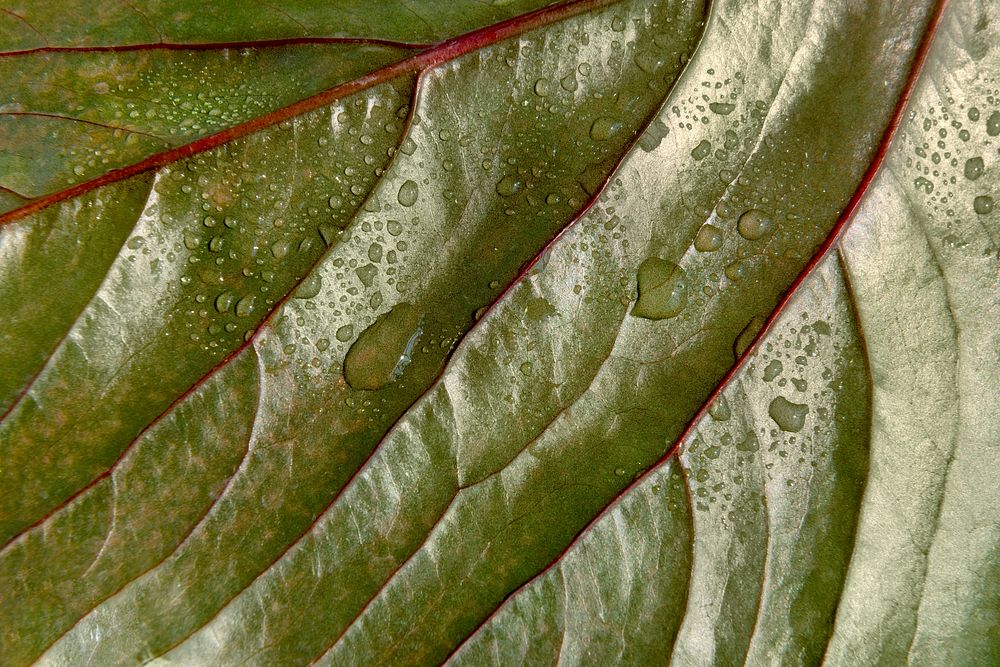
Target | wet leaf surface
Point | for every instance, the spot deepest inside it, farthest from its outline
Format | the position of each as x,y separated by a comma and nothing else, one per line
614,331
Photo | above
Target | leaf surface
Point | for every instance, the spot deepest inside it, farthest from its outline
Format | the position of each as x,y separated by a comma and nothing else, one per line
393,357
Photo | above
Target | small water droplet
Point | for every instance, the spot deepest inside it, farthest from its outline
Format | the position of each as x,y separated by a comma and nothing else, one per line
345,333
722,108
543,87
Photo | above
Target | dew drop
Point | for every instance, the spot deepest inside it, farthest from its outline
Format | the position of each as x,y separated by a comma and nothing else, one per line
605,128
982,204
543,87
408,193
754,224
993,124
719,409
708,239
790,417
702,150
974,168
224,302
245,306
722,108
383,350
345,333
508,186
663,290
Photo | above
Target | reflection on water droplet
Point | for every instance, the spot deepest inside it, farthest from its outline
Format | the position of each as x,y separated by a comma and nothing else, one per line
408,193
754,224
790,417
663,290
383,350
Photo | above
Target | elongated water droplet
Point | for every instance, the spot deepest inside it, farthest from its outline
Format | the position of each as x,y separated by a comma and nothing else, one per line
722,108
383,350
509,185
993,124
663,290
245,305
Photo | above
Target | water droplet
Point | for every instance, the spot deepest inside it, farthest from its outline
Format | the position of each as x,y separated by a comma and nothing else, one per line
974,168
375,253
526,368
224,302
215,245
605,128
663,290
367,274
754,224
568,83
310,287
722,108
745,338
993,124
618,24
394,228
509,185
408,193
345,333
773,370
719,409
790,417
982,204
245,305
383,350
653,135
973,114
543,87
136,242
280,248
708,239
702,150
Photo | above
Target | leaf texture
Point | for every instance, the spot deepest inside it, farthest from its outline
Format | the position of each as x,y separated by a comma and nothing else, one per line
606,334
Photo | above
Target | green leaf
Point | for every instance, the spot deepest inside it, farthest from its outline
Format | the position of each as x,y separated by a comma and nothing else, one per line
611,332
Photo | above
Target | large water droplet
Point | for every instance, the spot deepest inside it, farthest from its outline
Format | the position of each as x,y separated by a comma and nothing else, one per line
383,350
702,150
993,124
509,185
722,108
604,128
708,239
982,204
663,290
790,417
754,224
408,193
974,168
